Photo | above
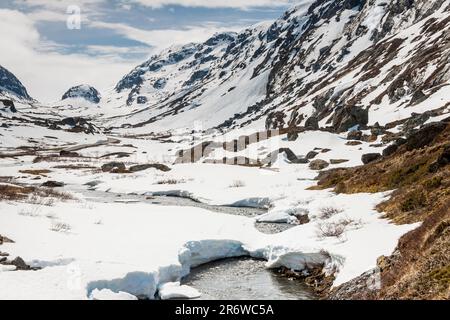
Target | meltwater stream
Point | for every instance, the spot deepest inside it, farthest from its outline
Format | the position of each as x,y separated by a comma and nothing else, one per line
228,279
245,279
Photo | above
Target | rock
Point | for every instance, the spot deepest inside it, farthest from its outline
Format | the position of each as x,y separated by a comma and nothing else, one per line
370,157
325,150
391,149
141,100
4,254
5,240
347,117
312,123
318,164
9,104
85,92
108,167
20,264
76,124
142,167
338,161
53,184
353,143
292,135
303,219
272,157
275,120
355,135
93,183
68,154
311,155
425,135
2,259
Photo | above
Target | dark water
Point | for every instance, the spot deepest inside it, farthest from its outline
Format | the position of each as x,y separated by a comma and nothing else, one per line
245,279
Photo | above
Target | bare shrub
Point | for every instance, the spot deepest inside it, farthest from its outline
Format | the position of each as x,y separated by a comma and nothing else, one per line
330,230
237,184
170,181
59,226
328,212
349,222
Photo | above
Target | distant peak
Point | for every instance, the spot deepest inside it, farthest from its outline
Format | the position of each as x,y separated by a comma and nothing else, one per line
83,91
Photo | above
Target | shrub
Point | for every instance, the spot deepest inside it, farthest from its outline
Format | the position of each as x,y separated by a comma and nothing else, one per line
58,226
328,212
170,181
330,230
237,184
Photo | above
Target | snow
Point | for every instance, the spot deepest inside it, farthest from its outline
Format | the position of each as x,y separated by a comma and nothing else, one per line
173,290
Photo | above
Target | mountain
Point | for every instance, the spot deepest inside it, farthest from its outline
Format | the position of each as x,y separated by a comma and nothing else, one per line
10,85
85,92
344,63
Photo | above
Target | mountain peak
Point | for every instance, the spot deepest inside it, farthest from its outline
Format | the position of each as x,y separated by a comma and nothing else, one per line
83,91
9,84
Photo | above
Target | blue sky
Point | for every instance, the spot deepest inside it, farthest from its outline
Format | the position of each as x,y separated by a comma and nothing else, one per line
115,35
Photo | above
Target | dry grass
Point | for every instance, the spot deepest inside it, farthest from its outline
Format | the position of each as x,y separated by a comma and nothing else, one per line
37,172
58,226
34,195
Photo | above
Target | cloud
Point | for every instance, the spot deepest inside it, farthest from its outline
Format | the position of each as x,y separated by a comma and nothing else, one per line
46,73
241,4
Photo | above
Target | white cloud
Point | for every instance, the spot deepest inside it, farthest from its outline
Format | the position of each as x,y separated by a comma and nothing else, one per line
48,74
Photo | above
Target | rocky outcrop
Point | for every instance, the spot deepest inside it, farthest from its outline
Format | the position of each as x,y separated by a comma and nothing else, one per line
370,157
350,116
10,85
85,92
318,164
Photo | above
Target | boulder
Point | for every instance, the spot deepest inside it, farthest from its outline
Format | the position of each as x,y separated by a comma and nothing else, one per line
108,167
338,161
442,161
142,167
355,135
68,154
311,155
318,164
53,184
20,264
370,157
349,116
312,123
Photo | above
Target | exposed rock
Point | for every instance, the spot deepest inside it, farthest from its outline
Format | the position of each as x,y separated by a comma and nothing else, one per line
9,104
275,120
272,157
338,161
76,124
10,84
5,240
292,135
355,135
318,164
68,154
347,117
353,143
142,167
20,264
425,135
85,92
370,157
312,123
311,155
53,184
108,167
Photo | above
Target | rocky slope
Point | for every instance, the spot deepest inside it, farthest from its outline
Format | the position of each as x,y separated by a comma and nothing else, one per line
10,86
343,63
85,92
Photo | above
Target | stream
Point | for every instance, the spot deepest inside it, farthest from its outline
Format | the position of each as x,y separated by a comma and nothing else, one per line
228,279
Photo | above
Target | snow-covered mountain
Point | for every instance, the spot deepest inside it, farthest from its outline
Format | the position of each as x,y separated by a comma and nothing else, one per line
10,86
343,62
85,92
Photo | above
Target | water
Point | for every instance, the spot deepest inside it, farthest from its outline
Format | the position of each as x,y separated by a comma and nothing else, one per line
245,279
110,197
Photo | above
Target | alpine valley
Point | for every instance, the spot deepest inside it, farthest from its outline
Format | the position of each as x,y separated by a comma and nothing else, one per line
318,143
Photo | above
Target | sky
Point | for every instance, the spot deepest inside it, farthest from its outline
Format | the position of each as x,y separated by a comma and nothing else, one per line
52,45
